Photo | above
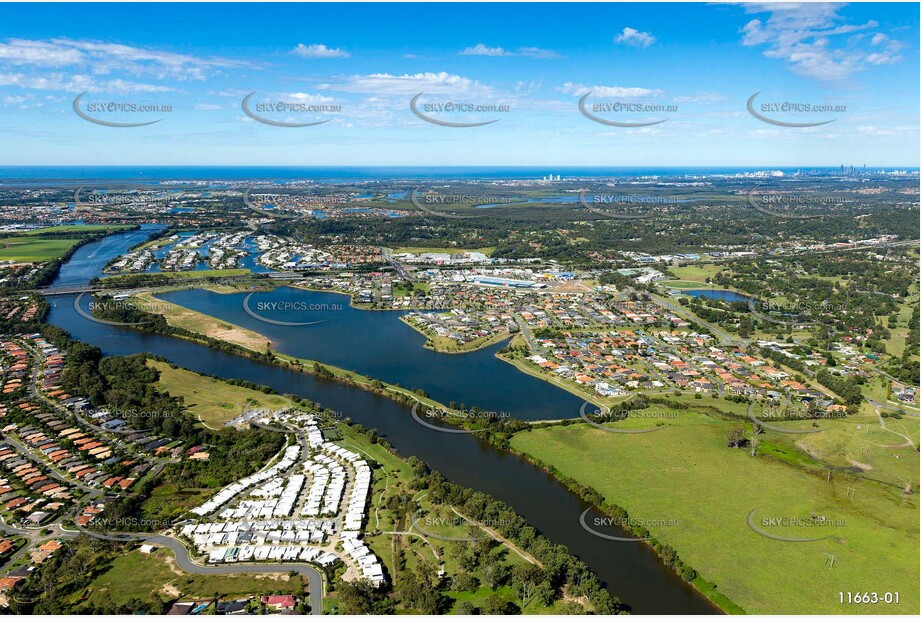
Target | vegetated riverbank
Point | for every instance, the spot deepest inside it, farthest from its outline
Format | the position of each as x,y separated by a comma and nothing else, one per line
496,431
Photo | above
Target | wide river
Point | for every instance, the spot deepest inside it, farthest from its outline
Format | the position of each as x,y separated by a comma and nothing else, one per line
378,344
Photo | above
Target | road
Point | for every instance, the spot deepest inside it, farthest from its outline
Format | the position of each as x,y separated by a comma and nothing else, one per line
184,562
724,337
387,254
526,332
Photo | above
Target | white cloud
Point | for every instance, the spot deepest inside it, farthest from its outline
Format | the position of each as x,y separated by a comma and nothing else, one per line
632,36
408,84
703,97
78,83
579,90
101,58
37,53
814,40
306,97
537,52
530,52
319,50
481,50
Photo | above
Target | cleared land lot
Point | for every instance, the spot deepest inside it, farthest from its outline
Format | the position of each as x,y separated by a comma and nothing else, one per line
686,473
138,576
214,402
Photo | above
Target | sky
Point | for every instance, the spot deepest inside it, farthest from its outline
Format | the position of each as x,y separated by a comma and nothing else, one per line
679,76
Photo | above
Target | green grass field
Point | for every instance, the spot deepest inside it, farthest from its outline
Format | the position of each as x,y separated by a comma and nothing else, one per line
22,249
698,272
686,472
212,401
138,576
31,247
167,501
688,285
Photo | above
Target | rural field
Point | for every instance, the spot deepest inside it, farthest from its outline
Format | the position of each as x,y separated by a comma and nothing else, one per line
685,472
31,246
34,249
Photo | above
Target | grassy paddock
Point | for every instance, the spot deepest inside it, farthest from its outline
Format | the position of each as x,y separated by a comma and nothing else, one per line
214,402
686,473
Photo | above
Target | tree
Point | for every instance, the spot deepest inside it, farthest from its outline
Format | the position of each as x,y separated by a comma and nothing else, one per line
493,575
525,578
545,593
736,438
496,605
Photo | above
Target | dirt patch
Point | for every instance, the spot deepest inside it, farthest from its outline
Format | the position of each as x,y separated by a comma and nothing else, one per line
572,287
170,562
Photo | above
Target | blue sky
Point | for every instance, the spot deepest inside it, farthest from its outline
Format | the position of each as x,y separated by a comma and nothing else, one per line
696,64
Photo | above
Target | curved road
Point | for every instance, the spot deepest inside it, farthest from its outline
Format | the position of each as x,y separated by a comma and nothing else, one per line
184,562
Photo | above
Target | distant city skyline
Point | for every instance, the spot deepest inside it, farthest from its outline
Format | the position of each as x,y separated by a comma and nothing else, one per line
597,85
